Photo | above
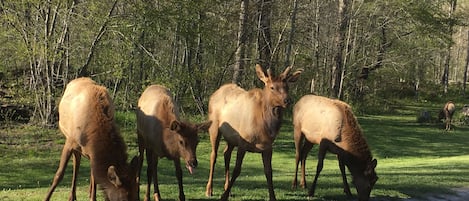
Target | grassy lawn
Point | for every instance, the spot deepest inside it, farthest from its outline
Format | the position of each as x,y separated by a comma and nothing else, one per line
413,159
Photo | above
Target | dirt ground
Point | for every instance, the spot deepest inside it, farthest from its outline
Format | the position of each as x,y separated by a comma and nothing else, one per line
460,194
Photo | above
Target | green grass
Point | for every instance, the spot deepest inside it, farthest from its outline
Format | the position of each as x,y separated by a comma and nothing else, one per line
413,160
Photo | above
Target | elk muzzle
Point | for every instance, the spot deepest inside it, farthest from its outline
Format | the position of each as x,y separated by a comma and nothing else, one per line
191,165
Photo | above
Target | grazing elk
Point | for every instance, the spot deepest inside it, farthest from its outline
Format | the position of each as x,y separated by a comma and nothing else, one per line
447,114
162,134
331,124
86,118
249,120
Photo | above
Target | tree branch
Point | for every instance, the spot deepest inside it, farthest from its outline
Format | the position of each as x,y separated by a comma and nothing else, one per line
84,69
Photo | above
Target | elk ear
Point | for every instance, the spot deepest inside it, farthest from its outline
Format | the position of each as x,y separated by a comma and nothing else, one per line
260,73
204,126
294,77
112,176
175,125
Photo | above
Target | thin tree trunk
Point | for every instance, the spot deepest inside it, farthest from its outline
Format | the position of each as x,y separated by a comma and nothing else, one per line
199,91
315,36
292,31
241,46
466,68
449,48
84,69
343,21
263,38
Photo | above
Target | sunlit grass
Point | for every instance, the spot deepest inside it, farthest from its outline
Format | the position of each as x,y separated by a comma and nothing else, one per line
413,160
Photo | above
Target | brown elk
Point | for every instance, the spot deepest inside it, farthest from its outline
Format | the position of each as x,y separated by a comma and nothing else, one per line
86,118
447,114
249,120
331,124
162,134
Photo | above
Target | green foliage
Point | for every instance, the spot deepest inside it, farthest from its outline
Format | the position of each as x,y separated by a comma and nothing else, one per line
189,46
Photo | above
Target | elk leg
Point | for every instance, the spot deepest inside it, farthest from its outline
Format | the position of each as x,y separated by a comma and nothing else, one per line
65,156
236,171
92,186
150,167
323,147
215,141
156,187
448,122
76,167
298,138
141,151
227,153
307,146
344,176
267,160
177,164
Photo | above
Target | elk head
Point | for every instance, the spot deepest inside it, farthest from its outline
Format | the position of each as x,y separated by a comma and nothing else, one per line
276,88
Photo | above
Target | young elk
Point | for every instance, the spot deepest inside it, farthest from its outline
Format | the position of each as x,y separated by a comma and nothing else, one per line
249,120
331,124
86,118
162,134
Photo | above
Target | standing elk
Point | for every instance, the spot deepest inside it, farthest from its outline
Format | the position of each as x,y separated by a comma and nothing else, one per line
162,134
249,120
86,118
331,124
447,114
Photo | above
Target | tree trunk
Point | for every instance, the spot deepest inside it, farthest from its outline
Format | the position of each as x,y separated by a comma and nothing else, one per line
343,21
263,38
84,69
466,68
315,43
292,31
445,77
199,91
241,46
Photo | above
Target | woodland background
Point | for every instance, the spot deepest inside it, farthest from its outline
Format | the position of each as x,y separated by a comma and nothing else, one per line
366,52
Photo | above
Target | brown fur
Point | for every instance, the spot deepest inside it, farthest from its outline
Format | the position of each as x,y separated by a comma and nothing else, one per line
249,120
86,118
353,135
162,134
319,120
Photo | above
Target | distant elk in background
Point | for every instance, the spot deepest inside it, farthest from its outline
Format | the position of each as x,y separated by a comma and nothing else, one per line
447,113
465,113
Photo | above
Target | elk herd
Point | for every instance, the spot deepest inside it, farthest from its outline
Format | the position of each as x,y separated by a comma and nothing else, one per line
248,120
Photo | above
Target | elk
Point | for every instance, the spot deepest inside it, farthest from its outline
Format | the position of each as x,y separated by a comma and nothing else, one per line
332,124
86,118
162,134
249,120
447,114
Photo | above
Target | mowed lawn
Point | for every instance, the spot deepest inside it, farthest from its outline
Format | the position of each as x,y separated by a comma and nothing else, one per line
413,160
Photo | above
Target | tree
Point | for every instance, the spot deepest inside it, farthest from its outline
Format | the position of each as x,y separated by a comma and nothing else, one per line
241,46
452,8
340,37
264,41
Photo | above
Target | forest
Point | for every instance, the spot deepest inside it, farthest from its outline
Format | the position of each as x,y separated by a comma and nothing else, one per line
365,52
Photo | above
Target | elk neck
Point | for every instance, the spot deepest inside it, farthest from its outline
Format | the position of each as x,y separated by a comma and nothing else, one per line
272,117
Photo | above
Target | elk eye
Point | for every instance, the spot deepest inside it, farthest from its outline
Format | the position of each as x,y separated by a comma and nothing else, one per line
272,88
